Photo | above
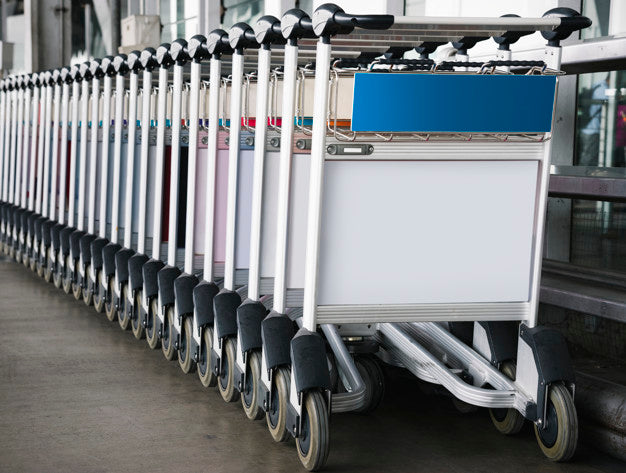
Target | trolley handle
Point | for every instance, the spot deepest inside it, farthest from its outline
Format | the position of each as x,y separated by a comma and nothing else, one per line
74,72
178,52
163,57
509,37
120,64
107,66
197,48
218,43
85,71
494,63
466,43
241,36
56,78
148,59
571,21
134,61
95,67
268,31
330,19
65,77
296,24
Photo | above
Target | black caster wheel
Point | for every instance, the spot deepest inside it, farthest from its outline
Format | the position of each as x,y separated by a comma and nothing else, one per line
67,280
152,334
507,421
123,315
205,373
374,380
250,391
314,440
559,437
25,259
135,321
110,309
276,415
33,263
226,379
167,341
47,272
463,407
77,288
40,269
57,279
185,357
98,296
88,290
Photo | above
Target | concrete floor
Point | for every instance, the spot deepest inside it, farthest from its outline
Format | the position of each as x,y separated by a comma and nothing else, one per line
77,394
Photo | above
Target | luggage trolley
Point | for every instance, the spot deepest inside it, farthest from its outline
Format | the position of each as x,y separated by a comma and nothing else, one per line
101,296
131,194
10,121
95,166
395,161
25,211
19,161
56,253
153,320
146,196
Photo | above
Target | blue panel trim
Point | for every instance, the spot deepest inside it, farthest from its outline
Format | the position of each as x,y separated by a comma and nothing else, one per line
460,103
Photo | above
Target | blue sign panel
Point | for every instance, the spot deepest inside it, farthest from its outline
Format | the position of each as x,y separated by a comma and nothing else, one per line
463,103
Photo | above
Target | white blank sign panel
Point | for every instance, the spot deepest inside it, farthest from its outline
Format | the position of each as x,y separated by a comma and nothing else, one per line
411,232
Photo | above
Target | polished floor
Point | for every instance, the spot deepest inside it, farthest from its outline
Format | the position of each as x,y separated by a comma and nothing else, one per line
78,394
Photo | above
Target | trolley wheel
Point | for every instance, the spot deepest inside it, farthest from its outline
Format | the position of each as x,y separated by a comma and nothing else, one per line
185,357
47,272
109,306
123,316
276,415
77,289
314,440
152,334
25,258
507,421
33,262
98,296
135,321
57,279
88,290
167,342
249,395
205,373
40,269
559,436
67,281
374,380
226,379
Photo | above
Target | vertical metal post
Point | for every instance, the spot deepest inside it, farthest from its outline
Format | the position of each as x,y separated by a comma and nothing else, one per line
40,147
65,103
117,154
26,151
55,149
160,160
194,116
143,166
233,167
284,176
82,177
130,158
33,149
175,165
18,151
73,154
318,153
13,135
46,151
104,169
260,135
3,95
214,99
95,116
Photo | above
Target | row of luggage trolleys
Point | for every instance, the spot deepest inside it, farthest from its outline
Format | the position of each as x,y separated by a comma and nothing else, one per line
312,207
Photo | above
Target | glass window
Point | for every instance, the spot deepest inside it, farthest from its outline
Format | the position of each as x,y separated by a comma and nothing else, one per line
414,7
241,10
601,119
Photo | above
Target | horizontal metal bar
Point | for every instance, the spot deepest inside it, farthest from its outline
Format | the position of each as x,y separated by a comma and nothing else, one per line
592,183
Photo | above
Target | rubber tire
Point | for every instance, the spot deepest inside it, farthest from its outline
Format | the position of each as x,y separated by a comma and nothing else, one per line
253,378
67,282
226,379
208,378
47,272
315,416
98,299
57,279
123,317
136,324
560,403
512,421
77,289
40,269
152,334
33,261
374,380
168,348
109,307
187,364
280,386
88,291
